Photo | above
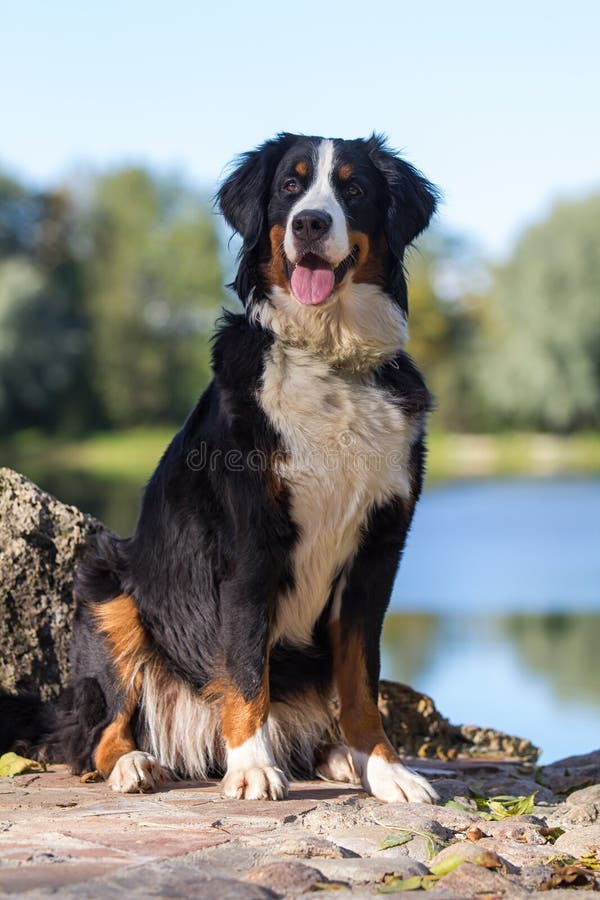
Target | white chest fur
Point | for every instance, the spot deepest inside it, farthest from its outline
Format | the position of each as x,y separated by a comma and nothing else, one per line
347,446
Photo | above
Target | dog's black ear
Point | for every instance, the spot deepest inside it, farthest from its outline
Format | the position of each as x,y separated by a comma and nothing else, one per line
412,199
244,195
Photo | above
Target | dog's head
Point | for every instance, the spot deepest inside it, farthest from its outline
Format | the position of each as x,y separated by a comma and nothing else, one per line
325,224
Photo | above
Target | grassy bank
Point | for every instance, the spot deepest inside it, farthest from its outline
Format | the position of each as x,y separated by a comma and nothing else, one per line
130,456
512,453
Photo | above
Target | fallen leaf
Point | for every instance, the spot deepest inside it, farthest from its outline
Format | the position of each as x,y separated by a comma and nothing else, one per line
474,834
504,805
445,866
396,840
393,884
568,876
11,764
91,777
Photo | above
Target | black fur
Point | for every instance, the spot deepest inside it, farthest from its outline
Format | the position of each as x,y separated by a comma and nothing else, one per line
212,549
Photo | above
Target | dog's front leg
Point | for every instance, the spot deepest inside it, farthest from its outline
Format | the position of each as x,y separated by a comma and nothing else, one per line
355,631
251,769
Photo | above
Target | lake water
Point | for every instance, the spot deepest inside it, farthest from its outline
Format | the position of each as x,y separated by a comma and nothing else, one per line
496,609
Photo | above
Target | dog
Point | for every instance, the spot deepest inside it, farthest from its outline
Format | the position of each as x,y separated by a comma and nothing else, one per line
254,588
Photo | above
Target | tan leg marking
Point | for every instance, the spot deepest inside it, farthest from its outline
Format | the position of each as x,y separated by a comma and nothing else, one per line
118,620
360,720
373,758
251,770
116,741
241,718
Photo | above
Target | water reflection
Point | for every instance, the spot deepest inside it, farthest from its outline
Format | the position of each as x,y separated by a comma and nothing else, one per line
563,649
536,676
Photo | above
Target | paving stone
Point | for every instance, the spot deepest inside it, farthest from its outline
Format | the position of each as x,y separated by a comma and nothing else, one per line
473,853
581,814
449,788
589,794
528,830
295,842
157,844
573,772
413,817
362,871
516,853
264,812
160,881
286,877
578,841
365,840
470,880
19,879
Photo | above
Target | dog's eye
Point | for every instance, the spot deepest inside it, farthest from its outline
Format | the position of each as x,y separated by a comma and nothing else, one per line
353,189
292,186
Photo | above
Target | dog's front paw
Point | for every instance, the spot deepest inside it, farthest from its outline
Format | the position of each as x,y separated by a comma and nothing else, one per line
136,772
394,783
257,783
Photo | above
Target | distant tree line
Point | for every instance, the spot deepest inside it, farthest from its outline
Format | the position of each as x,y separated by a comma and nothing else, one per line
109,289
523,351
108,293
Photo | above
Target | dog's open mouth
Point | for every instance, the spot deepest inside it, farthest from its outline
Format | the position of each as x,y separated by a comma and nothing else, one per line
313,279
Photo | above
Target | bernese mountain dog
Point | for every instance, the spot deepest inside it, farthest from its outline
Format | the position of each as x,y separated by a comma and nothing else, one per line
250,600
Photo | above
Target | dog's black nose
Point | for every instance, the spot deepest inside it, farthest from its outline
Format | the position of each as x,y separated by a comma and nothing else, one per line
311,224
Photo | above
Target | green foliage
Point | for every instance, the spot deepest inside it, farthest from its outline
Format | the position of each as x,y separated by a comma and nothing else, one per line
443,325
539,350
44,373
106,302
154,292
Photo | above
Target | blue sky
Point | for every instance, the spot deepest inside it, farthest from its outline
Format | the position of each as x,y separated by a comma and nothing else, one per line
498,104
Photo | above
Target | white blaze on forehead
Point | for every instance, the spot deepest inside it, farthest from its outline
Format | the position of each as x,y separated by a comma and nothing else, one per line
321,196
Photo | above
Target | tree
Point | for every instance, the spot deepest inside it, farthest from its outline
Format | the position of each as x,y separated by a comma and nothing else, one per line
154,289
538,363
444,277
44,377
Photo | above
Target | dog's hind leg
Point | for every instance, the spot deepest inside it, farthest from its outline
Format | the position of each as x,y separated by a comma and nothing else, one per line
116,757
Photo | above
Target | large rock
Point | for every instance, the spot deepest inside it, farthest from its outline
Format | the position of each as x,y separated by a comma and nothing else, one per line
40,542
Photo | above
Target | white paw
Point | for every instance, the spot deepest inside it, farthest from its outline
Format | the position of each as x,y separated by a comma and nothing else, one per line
257,783
394,783
336,764
136,772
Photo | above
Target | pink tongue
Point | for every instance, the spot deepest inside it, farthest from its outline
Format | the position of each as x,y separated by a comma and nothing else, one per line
312,286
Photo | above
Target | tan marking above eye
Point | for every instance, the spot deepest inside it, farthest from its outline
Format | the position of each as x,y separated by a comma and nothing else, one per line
301,168
345,171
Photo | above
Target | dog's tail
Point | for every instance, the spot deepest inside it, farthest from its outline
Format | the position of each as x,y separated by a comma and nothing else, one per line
28,726
103,570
